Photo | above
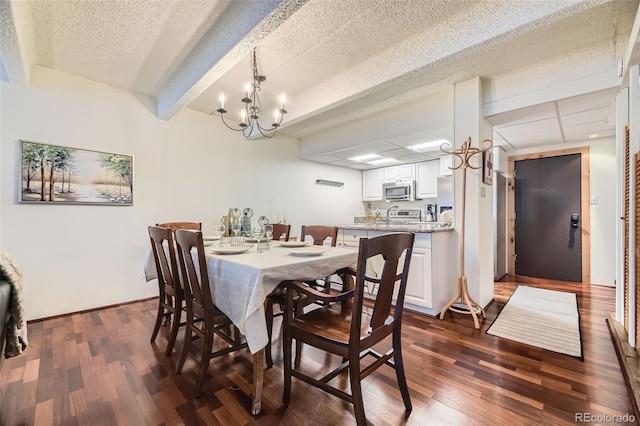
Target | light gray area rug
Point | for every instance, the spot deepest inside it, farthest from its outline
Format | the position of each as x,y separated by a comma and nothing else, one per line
546,319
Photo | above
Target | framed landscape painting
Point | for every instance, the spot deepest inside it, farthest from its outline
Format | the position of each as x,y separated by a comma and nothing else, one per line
52,174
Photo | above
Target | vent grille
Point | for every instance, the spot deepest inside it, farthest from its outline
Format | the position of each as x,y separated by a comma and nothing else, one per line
627,173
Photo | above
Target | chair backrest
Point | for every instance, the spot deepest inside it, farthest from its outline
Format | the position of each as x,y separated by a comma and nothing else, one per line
395,249
195,279
164,255
320,233
197,226
279,229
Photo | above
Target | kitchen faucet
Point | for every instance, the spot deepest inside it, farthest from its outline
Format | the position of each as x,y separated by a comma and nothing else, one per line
395,206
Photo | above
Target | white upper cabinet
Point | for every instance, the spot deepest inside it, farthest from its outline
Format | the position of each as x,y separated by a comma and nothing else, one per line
446,161
427,179
399,173
372,184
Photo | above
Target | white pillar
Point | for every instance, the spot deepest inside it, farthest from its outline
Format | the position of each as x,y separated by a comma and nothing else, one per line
469,122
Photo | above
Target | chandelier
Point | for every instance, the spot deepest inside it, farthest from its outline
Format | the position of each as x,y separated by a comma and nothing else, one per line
252,111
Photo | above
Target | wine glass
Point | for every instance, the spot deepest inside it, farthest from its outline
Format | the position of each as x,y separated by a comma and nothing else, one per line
235,227
257,233
219,230
268,230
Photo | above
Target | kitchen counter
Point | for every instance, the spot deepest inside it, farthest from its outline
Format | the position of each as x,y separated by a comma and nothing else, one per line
424,227
434,270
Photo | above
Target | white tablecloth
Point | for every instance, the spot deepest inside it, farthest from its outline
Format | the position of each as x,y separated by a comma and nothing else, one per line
240,283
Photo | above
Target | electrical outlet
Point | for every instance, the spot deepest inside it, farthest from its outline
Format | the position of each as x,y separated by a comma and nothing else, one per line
594,199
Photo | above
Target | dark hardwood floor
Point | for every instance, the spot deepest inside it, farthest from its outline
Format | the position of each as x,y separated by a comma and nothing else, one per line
99,368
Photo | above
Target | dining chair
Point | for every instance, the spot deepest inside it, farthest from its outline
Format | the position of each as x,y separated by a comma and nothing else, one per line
349,329
171,297
280,229
199,306
277,297
197,226
318,235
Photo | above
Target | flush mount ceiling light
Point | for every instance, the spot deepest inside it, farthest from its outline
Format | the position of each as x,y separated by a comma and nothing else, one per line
430,146
252,111
374,159
383,161
365,157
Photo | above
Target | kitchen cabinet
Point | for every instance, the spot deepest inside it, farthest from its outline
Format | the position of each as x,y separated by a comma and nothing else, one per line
419,284
372,185
427,179
446,161
351,237
433,271
402,172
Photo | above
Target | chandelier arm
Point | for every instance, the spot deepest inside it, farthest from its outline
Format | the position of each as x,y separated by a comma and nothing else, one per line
225,123
253,107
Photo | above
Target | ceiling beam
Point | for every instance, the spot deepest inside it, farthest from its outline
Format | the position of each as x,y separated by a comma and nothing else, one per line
242,25
17,41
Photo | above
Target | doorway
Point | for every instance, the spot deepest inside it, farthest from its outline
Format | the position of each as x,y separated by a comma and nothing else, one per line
549,215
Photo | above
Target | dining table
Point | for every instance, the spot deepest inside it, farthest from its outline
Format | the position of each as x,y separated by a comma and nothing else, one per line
242,279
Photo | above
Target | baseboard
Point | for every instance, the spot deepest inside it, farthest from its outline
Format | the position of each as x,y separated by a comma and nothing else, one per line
628,359
99,308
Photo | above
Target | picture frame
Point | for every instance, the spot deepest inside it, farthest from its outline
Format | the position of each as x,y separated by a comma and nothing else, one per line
54,174
487,167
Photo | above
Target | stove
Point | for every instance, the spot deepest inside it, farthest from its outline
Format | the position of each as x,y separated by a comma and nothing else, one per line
405,216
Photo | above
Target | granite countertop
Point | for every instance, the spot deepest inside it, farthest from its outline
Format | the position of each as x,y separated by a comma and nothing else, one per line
393,227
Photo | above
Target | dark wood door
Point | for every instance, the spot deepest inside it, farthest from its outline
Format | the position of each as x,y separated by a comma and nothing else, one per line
548,237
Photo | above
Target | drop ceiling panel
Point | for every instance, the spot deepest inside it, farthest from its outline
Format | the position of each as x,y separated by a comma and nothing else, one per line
582,131
397,153
529,128
344,163
598,115
539,137
595,100
415,158
524,115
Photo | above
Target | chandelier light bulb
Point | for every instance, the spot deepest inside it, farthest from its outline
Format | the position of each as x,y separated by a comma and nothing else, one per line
222,100
243,115
282,99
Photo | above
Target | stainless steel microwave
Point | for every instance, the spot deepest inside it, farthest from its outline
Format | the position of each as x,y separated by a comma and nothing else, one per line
399,191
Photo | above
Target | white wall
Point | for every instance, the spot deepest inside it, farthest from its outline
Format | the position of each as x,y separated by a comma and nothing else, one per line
602,169
189,168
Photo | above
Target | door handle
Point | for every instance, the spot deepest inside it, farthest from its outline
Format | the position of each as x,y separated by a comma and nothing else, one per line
575,219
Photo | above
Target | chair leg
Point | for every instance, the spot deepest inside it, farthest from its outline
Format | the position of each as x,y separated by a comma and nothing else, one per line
286,395
269,318
159,317
207,346
175,325
298,311
185,346
402,380
356,392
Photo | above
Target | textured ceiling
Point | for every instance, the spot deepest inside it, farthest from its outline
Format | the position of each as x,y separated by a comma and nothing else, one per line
549,68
